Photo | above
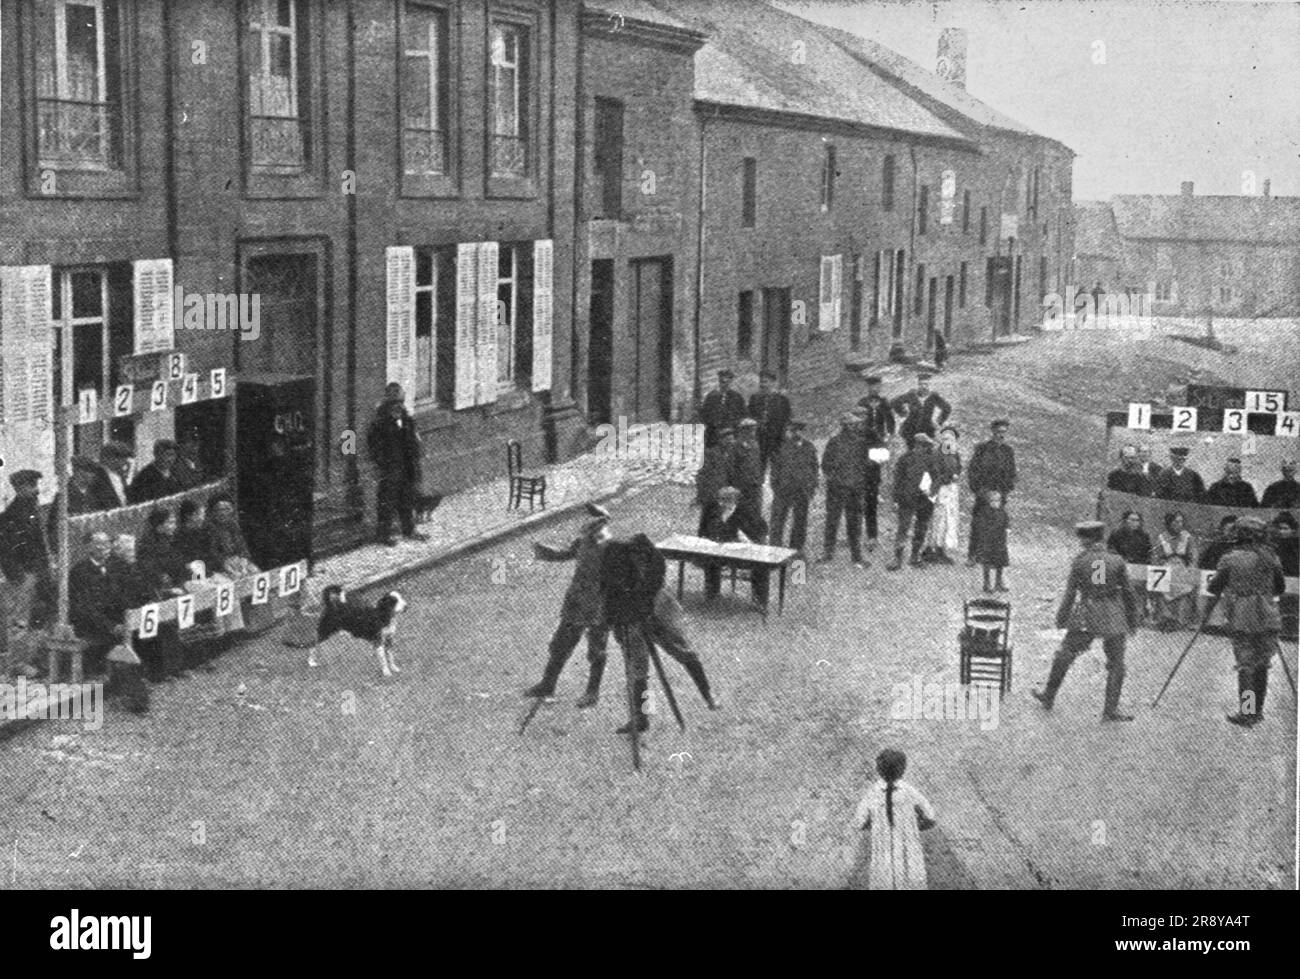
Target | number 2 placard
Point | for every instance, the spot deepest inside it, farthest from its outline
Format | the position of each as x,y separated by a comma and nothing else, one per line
1184,420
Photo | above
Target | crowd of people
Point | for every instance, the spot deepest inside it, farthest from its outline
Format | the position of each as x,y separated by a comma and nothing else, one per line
748,443
1178,482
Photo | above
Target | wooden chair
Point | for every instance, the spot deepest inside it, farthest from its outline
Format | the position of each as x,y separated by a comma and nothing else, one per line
984,642
530,483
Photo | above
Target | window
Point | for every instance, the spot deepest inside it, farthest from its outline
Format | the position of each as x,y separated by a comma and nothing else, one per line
1164,260
884,283
923,209
984,225
965,212
745,325
887,183
918,294
748,192
828,178
1042,276
278,94
425,95
435,326
961,287
79,90
1228,294
608,156
1164,291
514,314
830,292
947,196
510,100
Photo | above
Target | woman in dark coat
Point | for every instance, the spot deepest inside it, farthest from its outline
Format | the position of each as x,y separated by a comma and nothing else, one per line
1129,540
191,541
156,553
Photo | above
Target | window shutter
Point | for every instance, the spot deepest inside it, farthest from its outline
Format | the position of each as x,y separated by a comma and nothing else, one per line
543,292
488,272
837,289
466,324
152,280
401,319
26,352
826,297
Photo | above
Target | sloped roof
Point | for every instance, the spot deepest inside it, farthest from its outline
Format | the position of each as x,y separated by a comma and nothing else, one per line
1263,220
636,10
748,61
1094,229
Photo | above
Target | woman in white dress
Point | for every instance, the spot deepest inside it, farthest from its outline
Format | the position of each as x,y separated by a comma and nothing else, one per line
895,813
942,536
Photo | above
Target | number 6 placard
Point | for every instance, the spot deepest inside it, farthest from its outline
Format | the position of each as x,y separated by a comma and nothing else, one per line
148,621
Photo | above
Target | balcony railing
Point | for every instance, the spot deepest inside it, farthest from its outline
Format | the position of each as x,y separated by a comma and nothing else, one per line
78,134
277,143
424,151
509,156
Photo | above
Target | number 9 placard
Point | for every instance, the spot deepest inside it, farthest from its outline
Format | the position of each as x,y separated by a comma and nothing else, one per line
262,588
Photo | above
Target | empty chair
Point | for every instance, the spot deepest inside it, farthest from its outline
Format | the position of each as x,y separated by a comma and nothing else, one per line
530,483
984,643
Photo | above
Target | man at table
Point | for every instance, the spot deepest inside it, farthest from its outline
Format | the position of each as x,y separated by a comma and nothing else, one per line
727,521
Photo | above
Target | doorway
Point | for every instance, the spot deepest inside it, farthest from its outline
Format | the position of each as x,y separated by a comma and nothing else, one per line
600,345
998,294
776,333
947,308
931,311
651,327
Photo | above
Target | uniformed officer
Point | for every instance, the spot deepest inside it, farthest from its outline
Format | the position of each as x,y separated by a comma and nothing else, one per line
1106,609
1249,578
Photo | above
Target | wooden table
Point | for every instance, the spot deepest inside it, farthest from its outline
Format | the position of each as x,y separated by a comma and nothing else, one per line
684,548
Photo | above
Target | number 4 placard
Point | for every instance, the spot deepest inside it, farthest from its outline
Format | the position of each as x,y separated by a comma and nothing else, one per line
1139,415
1288,424
1184,420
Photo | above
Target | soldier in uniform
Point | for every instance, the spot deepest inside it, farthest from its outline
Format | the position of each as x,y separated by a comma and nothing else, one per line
794,481
1107,609
771,409
842,464
1249,578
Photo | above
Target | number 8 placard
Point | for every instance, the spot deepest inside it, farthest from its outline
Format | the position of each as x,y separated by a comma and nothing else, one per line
225,598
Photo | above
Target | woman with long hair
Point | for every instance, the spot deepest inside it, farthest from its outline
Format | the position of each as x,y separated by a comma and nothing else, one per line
1176,550
943,534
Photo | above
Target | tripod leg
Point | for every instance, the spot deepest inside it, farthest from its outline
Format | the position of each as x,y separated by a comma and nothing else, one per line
663,679
633,716
1286,668
1170,678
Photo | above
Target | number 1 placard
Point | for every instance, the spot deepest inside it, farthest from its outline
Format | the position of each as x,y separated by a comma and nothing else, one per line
1139,415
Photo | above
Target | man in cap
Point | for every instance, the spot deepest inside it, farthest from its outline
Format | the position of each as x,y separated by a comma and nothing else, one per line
394,447
923,410
1249,578
582,612
992,466
732,520
722,408
843,465
96,606
189,465
1106,609
110,489
1285,493
1149,469
1128,478
1179,483
715,471
1224,541
24,556
771,409
159,478
794,481
1231,490
746,468
914,493
82,477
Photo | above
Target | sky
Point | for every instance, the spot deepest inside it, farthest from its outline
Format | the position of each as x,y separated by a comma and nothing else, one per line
1147,93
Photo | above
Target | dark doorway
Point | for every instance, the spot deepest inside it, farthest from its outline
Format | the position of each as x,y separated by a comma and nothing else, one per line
776,333
931,311
998,292
600,346
652,337
608,157
947,308
855,305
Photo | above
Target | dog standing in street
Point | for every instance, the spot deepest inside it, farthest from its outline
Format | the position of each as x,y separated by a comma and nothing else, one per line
375,624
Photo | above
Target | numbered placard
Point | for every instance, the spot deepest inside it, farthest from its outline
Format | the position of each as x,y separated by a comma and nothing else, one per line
1139,415
148,621
175,366
1234,421
1159,578
217,382
184,611
190,389
1265,401
123,398
262,588
224,603
87,406
158,396
290,579
1184,420
1288,424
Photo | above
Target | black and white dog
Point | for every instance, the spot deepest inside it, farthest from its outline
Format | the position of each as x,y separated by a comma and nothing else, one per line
375,624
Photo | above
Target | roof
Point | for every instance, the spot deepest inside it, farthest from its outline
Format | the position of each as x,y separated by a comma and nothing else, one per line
1094,229
636,10
748,61
1260,220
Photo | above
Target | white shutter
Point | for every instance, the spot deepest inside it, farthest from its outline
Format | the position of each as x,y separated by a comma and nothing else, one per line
154,328
832,289
26,353
543,293
466,324
488,256
401,319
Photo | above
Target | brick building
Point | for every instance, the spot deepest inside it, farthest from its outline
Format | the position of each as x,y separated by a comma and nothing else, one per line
1229,256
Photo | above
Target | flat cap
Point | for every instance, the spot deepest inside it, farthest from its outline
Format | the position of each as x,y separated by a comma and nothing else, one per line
591,526
1181,451
747,423
116,450
24,477
596,510
1234,459
1000,423
728,493
723,432
798,426
849,418
726,372
874,378
924,375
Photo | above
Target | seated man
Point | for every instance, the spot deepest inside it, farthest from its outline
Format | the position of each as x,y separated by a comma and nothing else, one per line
95,604
159,478
1129,478
1231,490
136,586
727,520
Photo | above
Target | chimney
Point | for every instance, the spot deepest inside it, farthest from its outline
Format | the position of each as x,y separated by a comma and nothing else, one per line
1268,186
1187,188
951,63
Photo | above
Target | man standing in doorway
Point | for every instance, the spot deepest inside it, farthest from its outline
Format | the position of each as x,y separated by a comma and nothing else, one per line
395,450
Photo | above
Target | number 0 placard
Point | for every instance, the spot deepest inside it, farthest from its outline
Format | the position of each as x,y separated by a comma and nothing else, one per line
290,579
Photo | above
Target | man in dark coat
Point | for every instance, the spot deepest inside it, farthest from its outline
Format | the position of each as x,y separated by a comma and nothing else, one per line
1285,493
27,589
771,409
159,478
189,467
794,481
1224,541
844,467
110,487
877,421
1128,478
992,466
1151,470
715,471
730,519
632,573
1179,483
722,408
95,602
922,410
82,477
1231,490
1248,580
394,448
1107,609
746,469
914,491
583,611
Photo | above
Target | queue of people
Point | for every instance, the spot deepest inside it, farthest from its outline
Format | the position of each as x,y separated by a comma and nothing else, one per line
1178,482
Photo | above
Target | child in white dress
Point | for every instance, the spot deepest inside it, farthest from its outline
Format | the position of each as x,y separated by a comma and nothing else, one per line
895,813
